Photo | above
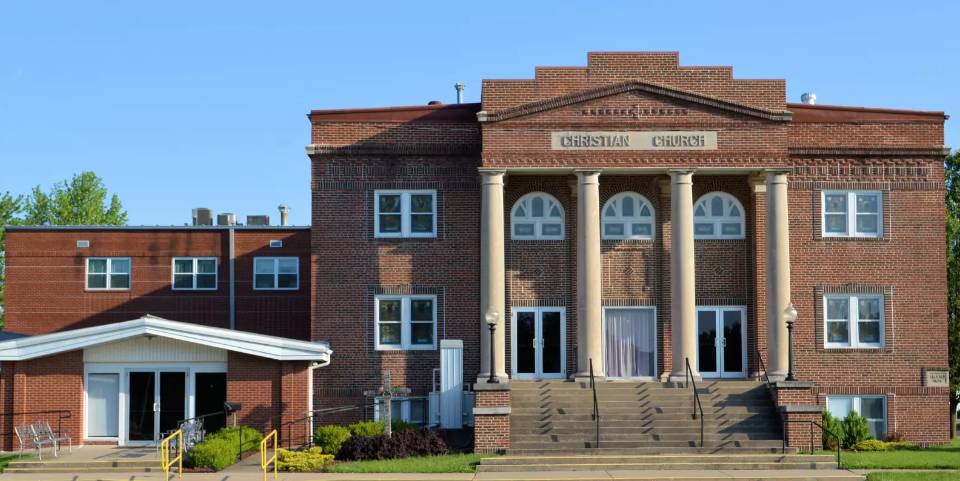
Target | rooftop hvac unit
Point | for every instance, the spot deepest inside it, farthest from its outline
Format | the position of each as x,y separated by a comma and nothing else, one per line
202,216
227,218
258,220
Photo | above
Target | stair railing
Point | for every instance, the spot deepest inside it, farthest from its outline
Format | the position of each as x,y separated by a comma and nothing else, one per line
823,432
763,377
691,381
596,404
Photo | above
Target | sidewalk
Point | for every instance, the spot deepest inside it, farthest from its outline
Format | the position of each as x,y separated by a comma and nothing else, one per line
646,475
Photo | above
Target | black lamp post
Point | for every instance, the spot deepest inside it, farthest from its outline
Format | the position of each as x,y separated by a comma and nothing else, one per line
790,315
491,318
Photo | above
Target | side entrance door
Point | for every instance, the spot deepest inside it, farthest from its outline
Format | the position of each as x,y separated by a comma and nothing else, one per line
538,343
157,401
721,341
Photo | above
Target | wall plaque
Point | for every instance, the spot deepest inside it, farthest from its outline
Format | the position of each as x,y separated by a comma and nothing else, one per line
644,140
936,377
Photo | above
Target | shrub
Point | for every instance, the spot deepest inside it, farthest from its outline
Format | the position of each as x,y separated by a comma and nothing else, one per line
402,444
222,448
832,424
330,438
855,429
214,453
366,428
309,461
398,426
871,445
901,445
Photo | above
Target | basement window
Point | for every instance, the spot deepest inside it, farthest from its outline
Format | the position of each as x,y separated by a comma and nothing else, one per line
406,409
874,408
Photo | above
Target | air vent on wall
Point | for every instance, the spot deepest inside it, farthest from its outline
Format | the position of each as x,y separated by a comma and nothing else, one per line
83,244
276,243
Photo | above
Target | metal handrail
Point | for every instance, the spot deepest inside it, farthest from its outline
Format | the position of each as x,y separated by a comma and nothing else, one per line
696,397
596,404
763,368
823,430
264,460
59,412
287,426
165,462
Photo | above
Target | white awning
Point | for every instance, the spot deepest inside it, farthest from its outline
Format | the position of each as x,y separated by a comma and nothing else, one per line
270,347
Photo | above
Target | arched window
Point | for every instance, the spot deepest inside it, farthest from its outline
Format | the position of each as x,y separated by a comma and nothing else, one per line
537,215
718,215
627,215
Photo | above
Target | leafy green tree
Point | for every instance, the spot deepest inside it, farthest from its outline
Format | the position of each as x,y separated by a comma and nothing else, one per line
80,201
952,166
10,207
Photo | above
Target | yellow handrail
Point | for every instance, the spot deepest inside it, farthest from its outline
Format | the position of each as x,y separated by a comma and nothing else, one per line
264,461
165,460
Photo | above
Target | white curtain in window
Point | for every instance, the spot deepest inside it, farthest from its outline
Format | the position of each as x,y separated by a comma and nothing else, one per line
102,405
630,342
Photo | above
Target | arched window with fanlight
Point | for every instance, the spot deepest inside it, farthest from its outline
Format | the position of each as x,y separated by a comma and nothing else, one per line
718,215
627,215
537,216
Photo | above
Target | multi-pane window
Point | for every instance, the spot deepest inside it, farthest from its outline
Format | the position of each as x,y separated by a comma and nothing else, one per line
537,216
406,322
871,407
195,273
852,214
108,273
407,213
276,273
627,215
718,215
853,321
407,409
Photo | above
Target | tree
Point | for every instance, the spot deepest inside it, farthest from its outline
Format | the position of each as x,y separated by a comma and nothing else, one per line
81,201
952,166
10,207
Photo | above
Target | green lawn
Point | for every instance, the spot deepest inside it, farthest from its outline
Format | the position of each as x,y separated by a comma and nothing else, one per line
915,476
940,457
451,463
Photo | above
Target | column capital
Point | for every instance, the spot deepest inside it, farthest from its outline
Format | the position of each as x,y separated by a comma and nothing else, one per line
492,176
757,182
681,176
777,175
581,173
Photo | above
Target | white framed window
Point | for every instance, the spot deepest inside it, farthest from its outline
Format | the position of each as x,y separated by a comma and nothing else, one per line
409,409
536,216
628,215
853,320
718,215
276,273
852,213
874,408
194,274
108,273
405,322
405,213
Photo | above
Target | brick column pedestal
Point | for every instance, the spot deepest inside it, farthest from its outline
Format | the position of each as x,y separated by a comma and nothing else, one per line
797,403
491,418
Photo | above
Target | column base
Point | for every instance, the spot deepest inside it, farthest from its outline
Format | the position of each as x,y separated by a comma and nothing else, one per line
484,378
776,376
682,378
585,377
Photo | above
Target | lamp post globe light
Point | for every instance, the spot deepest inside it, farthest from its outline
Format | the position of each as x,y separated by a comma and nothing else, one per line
790,316
491,317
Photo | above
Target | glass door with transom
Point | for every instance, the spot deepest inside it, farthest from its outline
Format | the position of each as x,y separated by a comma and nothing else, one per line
721,342
629,348
538,343
157,401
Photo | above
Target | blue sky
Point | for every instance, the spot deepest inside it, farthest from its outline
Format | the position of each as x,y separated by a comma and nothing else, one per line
178,104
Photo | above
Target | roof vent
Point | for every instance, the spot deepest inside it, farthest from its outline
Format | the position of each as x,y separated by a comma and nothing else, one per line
459,86
434,102
227,218
284,214
258,220
202,216
809,98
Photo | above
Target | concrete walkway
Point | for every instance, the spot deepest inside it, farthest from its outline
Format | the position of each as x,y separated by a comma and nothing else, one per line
646,475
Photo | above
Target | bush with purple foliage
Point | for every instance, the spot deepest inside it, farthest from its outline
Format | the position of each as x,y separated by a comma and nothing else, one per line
403,444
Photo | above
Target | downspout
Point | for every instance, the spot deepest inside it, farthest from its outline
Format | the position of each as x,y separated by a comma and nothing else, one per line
233,279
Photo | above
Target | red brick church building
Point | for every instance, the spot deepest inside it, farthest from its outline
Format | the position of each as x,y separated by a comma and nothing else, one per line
632,214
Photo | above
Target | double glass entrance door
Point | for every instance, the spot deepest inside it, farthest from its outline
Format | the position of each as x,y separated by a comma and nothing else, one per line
157,402
721,342
538,343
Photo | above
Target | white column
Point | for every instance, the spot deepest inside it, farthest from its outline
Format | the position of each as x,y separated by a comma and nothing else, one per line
683,302
778,272
589,267
492,273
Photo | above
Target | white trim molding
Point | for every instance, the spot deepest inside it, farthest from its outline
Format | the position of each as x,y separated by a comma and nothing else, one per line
270,347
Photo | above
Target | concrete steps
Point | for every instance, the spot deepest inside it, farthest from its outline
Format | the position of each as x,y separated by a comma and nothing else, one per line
54,466
730,460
